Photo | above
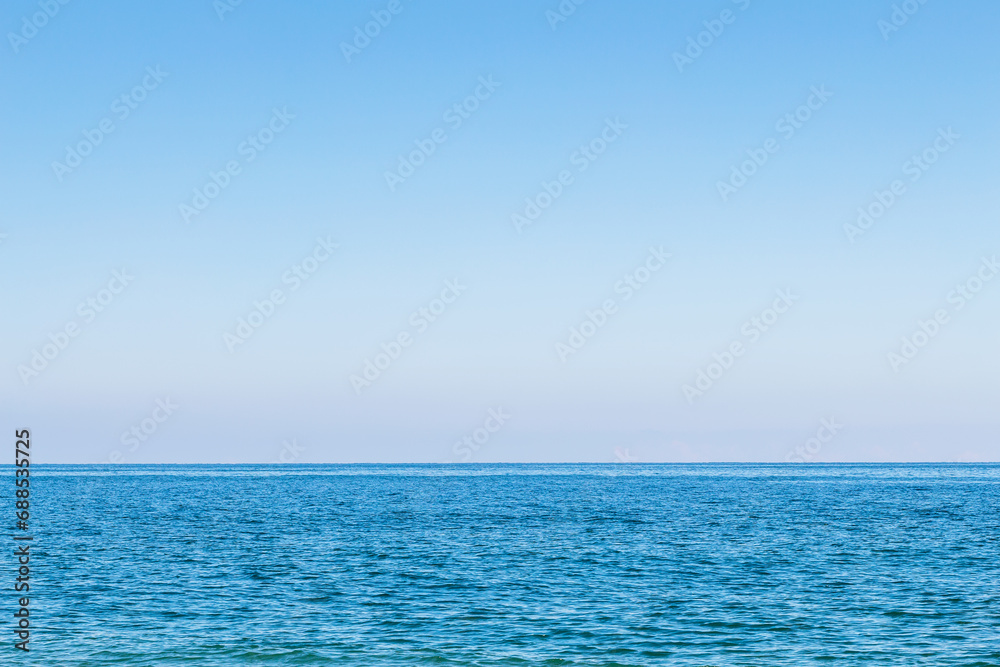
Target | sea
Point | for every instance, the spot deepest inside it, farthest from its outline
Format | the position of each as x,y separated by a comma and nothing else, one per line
466,564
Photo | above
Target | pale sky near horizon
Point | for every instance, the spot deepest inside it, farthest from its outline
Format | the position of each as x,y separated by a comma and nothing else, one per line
531,230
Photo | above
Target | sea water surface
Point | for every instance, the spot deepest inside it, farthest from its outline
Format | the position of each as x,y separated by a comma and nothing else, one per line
617,564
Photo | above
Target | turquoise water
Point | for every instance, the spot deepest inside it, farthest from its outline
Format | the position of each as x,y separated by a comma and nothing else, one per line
514,565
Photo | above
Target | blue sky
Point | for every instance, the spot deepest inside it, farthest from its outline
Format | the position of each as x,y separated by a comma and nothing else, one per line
227,79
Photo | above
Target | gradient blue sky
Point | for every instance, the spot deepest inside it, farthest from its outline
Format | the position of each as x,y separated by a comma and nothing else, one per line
620,396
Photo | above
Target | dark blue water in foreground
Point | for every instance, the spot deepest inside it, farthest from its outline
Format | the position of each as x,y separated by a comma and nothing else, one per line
514,565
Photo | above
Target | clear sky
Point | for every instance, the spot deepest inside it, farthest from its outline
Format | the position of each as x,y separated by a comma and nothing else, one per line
673,169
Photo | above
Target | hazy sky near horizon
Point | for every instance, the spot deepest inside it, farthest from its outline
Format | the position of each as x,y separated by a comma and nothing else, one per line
521,173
